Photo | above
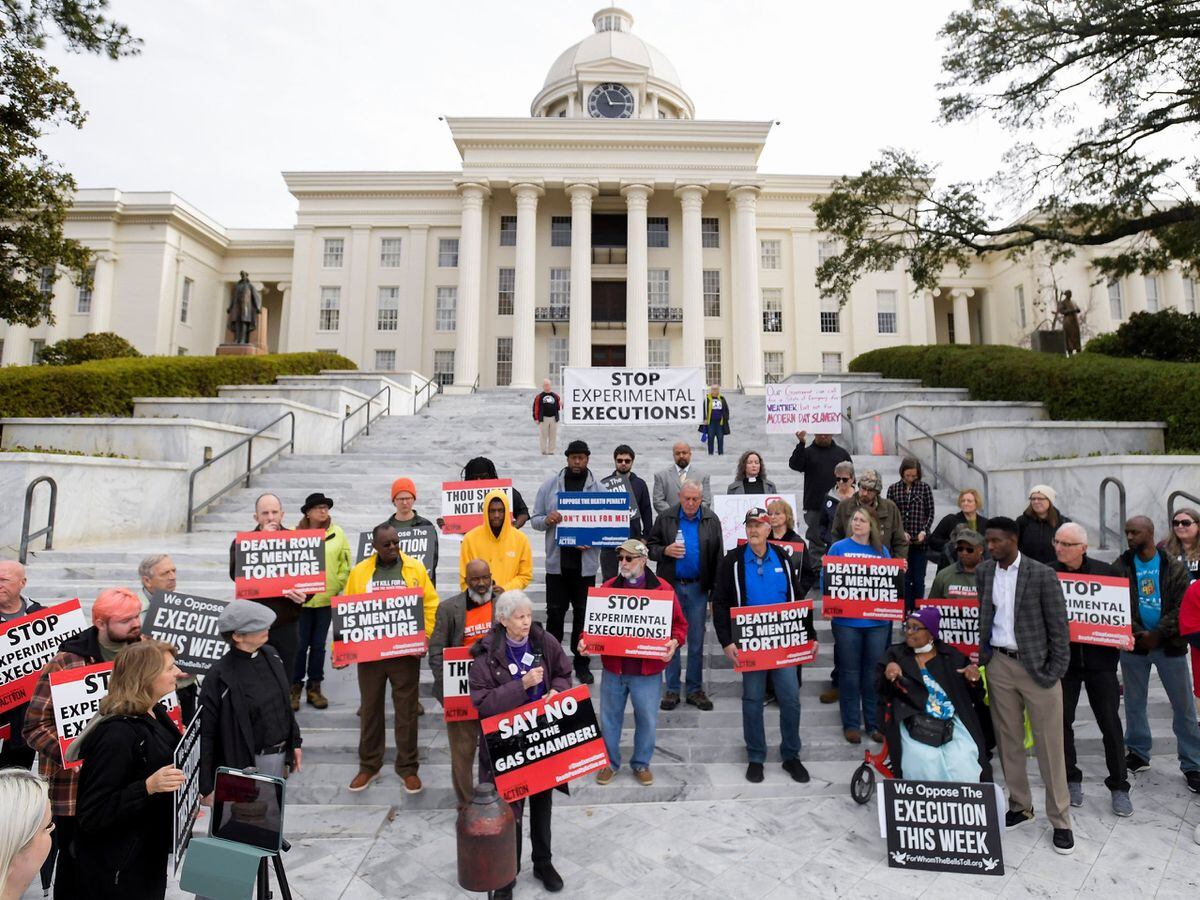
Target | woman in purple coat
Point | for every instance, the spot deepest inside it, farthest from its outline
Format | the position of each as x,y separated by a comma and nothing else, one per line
516,663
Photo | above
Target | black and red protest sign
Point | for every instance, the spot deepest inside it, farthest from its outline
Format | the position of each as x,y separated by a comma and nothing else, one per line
960,618
863,587
456,685
379,625
629,623
28,643
544,744
462,502
268,563
1098,609
189,624
775,636
942,826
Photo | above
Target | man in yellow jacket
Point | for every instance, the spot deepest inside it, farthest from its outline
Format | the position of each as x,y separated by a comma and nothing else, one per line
389,568
503,547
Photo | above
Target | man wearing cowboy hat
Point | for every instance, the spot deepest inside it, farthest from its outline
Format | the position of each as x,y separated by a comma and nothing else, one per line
316,614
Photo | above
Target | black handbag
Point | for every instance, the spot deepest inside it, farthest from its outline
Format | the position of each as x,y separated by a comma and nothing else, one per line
926,729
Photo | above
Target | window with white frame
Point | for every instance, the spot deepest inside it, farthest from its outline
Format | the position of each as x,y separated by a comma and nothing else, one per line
447,309
389,253
447,253
827,250
185,300
508,231
560,355
1152,293
772,310
335,251
46,281
385,360
443,367
831,315
1116,306
560,231
83,294
181,351
504,361
831,362
656,231
658,288
36,346
712,360
885,312
1189,294
773,366
1019,299
660,353
387,316
711,279
770,254
560,288
331,309
710,232
506,291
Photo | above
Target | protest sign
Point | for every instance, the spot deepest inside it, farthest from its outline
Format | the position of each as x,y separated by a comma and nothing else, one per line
942,826
187,798
189,624
417,541
456,688
28,643
1098,609
379,625
592,519
960,618
863,587
462,502
731,510
815,408
774,636
544,744
267,563
627,622
602,396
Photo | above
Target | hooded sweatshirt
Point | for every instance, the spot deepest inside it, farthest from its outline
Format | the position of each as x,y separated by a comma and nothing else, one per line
508,553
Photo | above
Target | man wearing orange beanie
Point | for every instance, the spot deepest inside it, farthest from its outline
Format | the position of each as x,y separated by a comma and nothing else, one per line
404,495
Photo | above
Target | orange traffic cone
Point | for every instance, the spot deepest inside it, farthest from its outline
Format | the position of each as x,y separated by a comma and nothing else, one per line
877,440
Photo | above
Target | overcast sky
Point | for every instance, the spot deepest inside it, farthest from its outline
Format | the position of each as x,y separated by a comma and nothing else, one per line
226,95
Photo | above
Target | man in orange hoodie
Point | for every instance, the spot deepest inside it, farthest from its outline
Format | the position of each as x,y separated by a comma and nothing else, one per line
505,549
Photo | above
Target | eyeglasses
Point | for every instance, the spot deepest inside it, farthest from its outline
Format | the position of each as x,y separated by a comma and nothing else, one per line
844,480
912,628
1183,523
624,558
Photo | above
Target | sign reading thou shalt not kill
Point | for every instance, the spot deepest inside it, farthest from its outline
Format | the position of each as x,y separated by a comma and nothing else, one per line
270,563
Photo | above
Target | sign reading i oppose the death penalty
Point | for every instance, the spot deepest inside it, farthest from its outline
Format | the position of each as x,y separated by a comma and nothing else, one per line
1098,610
815,408
863,587
456,685
960,619
942,826
379,625
462,502
187,798
602,396
28,643
267,563
544,744
625,622
775,636
419,542
592,519
189,624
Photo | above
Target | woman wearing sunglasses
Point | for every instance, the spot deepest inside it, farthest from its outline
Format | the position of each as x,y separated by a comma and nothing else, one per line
1184,544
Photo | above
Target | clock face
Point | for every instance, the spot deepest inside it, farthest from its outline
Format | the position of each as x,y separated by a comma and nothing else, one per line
610,101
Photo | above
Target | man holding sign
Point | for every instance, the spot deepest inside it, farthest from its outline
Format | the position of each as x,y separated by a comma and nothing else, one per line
14,605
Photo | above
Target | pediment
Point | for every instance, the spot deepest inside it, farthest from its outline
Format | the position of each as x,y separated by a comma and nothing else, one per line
612,70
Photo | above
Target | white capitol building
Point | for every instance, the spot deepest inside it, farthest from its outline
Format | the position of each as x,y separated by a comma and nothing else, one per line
611,227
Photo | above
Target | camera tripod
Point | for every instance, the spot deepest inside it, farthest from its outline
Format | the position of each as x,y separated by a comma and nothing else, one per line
264,885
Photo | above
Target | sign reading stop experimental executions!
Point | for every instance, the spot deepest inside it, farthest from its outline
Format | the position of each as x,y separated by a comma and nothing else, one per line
1098,609
629,623
268,563
28,643
602,396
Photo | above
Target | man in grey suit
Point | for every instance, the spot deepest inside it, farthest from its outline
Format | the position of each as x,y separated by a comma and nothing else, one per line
666,483
1026,645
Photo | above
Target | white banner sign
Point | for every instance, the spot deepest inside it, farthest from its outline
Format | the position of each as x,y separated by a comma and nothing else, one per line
603,396
815,408
731,510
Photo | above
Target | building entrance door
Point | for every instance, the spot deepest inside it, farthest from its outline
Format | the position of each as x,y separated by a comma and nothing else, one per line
608,355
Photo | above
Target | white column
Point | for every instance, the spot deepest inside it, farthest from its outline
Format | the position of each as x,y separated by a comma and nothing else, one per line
470,259
1172,289
581,194
17,346
525,284
637,302
102,293
691,199
805,318
747,303
285,305
411,352
359,300
920,318
962,319
300,314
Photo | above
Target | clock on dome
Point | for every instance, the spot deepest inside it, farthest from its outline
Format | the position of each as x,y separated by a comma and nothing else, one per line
610,101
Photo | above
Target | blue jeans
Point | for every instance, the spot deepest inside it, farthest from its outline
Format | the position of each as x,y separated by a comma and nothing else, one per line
645,691
857,651
314,628
716,434
914,578
1173,670
787,693
694,601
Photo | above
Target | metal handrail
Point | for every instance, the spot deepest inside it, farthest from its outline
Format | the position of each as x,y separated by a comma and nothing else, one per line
741,387
1104,529
1173,496
431,386
475,386
251,466
939,443
48,531
366,404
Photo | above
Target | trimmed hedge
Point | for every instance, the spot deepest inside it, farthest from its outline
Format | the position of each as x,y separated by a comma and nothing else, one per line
1088,386
107,387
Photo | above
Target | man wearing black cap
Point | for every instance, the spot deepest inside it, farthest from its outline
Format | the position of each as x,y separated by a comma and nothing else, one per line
570,571
316,614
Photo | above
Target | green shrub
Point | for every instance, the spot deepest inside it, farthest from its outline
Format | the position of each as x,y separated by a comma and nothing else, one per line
1167,335
73,351
1087,386
1106,343
107,387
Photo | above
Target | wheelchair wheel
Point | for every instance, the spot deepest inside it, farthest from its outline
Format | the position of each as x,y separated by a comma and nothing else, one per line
862,784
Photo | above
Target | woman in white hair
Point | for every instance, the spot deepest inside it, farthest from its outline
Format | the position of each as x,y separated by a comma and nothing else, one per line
25,829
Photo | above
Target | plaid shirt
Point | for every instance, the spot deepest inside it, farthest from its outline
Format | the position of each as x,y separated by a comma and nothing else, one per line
915,503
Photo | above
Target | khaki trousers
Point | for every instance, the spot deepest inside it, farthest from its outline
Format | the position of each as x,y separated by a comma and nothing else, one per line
464,741
403,673
1012,691
548,435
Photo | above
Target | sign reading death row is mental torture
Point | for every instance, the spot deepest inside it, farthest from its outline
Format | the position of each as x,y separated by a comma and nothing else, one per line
187,798
592,519
960,619
775,636
462,502
379,625
268,563
815,408
418,541
544,744
602,396
863,587
456,685
942,826
28,643
189,624
630,623
1098,609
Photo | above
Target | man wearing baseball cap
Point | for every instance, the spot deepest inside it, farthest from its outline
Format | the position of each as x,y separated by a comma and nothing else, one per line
404,495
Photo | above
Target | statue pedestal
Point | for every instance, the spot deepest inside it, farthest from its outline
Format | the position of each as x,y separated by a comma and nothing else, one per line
257,345
231,349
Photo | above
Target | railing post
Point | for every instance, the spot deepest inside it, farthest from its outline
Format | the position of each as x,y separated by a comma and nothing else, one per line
935,465
48,531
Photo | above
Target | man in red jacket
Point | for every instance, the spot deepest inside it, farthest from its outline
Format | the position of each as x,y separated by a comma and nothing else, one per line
637,679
